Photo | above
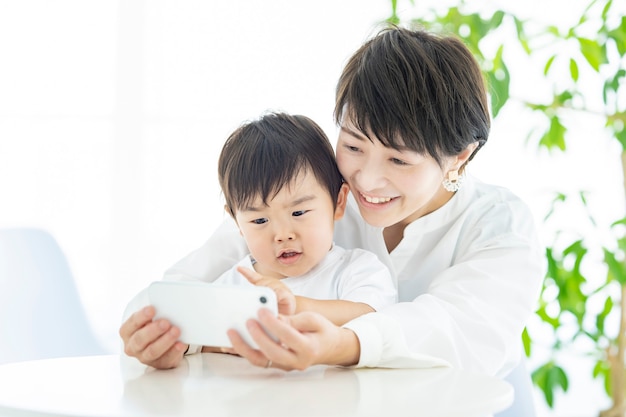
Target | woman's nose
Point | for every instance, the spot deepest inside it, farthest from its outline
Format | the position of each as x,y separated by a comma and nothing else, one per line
370,176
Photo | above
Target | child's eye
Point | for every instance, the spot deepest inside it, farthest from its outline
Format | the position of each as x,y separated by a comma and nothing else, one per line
260,221
298,213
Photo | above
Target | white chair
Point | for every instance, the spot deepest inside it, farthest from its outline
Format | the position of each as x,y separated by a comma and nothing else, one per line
41,315
523,404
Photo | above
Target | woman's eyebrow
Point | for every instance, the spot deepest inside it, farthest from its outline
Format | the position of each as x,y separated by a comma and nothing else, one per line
351,132
360,136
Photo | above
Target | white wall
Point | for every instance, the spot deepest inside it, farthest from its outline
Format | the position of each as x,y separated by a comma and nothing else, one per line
112,114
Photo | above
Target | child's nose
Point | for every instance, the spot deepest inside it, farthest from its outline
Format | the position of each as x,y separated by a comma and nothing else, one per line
284,233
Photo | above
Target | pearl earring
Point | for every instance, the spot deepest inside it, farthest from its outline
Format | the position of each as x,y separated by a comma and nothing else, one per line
453,181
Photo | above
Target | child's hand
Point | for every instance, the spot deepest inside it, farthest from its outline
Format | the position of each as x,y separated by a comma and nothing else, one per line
286,299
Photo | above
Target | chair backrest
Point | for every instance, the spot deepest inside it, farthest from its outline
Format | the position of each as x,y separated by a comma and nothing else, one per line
524,402
41,314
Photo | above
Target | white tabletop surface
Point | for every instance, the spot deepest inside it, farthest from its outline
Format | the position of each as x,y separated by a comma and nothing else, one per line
224,385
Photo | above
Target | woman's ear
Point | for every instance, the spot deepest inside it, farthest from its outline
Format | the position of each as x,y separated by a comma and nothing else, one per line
342,200
463,157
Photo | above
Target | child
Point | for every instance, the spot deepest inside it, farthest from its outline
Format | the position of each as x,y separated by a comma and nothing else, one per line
283,189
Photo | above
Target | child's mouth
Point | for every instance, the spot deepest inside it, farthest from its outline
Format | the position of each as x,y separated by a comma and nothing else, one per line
289,257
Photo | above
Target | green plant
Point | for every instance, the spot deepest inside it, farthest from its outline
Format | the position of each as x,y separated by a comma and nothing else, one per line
584,293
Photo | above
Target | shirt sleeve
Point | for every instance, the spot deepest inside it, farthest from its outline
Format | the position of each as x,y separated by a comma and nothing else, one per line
383,345
220,252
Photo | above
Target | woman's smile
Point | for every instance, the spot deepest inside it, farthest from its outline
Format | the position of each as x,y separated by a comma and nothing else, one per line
375,200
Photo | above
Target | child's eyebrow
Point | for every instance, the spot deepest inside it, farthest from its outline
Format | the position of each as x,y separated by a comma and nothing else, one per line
294,203
303,199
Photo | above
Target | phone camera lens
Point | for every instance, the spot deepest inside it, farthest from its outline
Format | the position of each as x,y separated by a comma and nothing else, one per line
263,300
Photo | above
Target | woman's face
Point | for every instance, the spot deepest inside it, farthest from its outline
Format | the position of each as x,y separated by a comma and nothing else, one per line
390,186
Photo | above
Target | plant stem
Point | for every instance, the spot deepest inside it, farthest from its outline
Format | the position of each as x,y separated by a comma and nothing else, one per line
616,358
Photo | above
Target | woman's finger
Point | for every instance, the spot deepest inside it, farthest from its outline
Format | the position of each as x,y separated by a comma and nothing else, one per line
244,350
161,345
287,347
136,321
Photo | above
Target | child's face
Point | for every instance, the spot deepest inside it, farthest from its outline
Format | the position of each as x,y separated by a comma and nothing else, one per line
294,231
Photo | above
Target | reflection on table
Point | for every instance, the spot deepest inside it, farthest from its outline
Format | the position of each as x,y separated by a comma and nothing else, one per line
226,385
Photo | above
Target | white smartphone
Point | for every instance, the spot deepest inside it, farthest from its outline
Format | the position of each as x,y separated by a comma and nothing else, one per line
205,311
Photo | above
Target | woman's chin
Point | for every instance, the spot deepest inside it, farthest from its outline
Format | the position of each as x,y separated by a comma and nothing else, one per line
374,218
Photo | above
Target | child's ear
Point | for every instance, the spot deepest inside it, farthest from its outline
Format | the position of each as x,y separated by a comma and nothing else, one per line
342,200
231,214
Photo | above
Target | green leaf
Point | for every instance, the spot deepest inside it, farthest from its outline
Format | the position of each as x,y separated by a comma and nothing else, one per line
564,98
552,263
553,30
496,19
601,318
499,81
573,69
558,198
521,34
546,68
559,377
593,52
555,136
570,282
546,318
612,84
577,248
605,10
621,137
602,370
548,378
526,341
621,221
619,36
616,268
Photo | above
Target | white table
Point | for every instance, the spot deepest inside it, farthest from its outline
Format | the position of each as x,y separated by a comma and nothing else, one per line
224,385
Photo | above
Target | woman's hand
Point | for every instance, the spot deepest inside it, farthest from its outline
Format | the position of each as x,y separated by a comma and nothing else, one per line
303,340
285,298
154,343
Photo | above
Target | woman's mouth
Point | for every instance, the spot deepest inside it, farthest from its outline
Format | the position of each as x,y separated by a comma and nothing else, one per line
375,200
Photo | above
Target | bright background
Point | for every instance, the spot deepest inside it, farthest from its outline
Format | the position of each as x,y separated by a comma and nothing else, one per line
112,115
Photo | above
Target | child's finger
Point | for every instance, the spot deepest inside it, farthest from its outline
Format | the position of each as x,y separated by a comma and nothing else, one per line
252,276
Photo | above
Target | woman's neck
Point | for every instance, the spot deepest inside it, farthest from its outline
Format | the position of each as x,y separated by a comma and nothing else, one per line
394,234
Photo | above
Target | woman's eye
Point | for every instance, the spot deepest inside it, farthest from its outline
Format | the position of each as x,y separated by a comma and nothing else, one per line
398,161
298,213
352,148
259,221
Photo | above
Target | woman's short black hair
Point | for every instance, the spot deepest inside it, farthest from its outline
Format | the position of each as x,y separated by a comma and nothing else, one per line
415,89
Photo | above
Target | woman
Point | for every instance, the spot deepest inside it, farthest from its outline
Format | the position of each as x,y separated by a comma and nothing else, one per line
412,109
